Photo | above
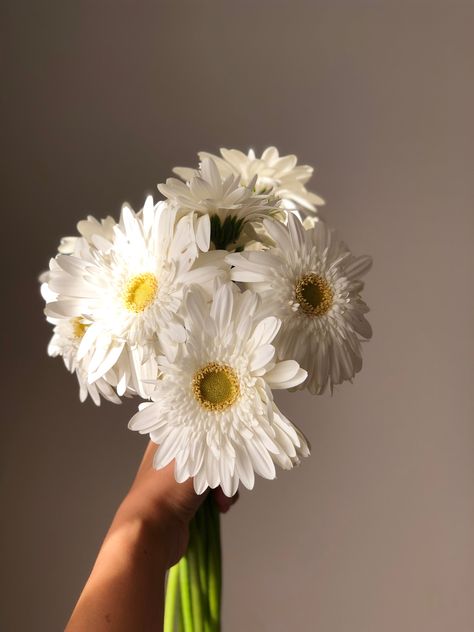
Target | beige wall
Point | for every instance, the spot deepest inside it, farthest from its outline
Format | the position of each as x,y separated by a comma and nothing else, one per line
374,533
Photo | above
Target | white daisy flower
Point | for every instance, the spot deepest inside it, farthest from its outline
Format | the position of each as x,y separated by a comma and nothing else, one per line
228,203
67,335
126,376
128,290
213,409
86,228
311,281
271,175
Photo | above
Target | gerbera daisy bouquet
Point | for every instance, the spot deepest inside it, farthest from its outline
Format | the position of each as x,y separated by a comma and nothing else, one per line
201,305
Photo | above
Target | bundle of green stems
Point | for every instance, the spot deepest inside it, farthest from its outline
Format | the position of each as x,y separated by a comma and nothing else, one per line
193,588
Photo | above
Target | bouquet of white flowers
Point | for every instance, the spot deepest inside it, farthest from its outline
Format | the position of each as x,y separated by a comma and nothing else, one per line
201,305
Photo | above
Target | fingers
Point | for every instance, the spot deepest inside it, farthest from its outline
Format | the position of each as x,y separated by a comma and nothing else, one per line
223,502
178,495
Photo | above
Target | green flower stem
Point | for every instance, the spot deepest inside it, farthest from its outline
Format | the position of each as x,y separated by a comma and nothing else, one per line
185,591
195,582
207,510
214,578
217,543
193,590
179,623
172,592
201,540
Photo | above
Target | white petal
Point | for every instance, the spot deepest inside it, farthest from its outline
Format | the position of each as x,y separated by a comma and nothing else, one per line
265,331
358,267
107,363
146,419
222,306
203,232
261,460
243,466
286,374
168,449
261,357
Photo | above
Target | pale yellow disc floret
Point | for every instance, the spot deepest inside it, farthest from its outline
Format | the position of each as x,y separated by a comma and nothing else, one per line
140,292
78,328
314,294
216,386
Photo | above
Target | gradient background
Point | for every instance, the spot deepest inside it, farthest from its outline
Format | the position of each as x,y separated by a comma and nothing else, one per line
375,532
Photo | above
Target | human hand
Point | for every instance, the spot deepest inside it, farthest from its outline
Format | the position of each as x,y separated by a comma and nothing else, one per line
165,506
149,533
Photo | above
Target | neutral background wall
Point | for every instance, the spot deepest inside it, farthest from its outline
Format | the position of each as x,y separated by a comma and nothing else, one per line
375,532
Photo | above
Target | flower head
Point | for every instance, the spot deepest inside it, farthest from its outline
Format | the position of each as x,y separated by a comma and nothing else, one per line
212,409
311,281
126,287
228,203
271,175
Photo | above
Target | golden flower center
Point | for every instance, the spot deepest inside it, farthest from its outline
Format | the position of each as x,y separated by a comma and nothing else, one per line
78,328
314,294
140,292
216,386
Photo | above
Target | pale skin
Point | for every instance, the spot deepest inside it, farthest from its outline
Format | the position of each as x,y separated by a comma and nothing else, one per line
149,533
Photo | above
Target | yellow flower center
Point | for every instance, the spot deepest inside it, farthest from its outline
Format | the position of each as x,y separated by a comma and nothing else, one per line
314,294
140,292
78,328
216,386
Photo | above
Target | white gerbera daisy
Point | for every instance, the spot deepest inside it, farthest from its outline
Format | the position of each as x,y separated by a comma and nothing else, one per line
228,203
126,376
67,335
311,281
271,174
213,409
128,290
87,228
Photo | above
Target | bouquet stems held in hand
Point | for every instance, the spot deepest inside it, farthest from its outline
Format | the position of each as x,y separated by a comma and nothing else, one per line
193,590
